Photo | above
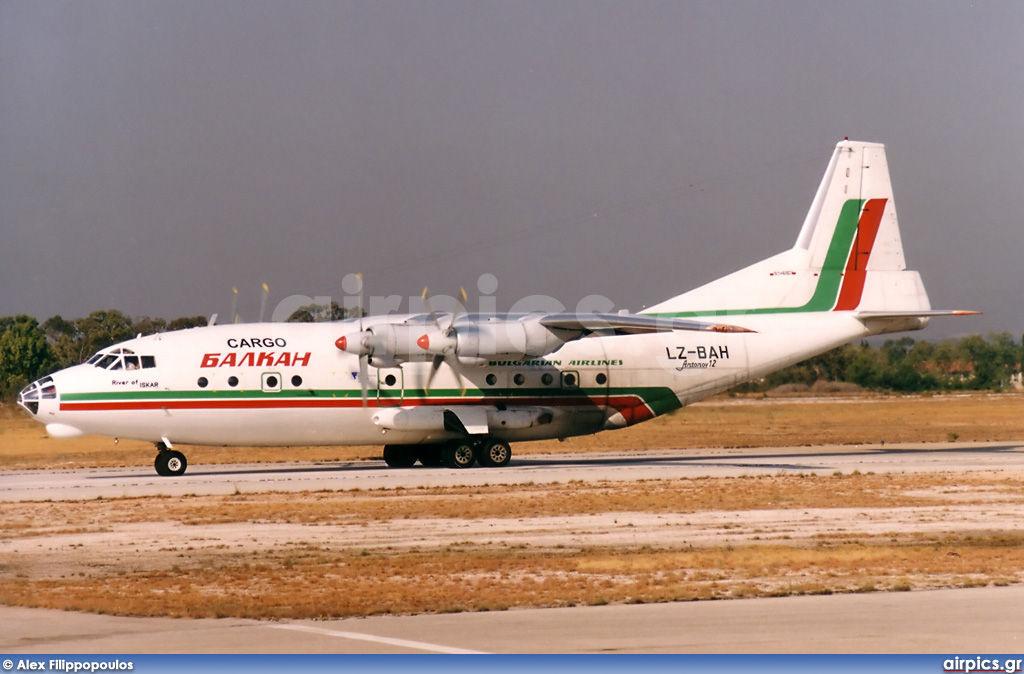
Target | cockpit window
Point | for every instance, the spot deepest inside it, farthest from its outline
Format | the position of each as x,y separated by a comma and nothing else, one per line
122,359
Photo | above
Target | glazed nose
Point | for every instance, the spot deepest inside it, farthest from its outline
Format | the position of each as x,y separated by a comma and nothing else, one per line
31,395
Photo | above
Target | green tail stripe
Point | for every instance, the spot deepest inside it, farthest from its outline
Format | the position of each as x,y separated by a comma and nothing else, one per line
829,280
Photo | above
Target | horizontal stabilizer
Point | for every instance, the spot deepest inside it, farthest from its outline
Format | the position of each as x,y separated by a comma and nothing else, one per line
869,315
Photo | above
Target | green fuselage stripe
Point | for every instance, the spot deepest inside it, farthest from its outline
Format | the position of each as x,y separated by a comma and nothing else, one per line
657,397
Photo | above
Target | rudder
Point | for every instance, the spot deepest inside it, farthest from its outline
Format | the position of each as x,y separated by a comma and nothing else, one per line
848,255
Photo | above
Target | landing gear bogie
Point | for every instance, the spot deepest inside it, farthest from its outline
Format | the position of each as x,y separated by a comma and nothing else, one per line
462,453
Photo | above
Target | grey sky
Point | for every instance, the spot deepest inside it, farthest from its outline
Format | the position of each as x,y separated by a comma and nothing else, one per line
155,154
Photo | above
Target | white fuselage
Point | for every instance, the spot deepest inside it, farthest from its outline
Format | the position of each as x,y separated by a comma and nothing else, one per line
287,384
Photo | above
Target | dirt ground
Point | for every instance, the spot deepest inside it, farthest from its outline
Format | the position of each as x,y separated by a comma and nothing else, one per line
722,421
346,553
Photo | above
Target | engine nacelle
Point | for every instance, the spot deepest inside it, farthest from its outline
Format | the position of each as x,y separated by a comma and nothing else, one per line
471,343
523,337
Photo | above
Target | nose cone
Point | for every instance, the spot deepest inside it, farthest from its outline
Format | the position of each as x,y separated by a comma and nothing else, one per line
32,395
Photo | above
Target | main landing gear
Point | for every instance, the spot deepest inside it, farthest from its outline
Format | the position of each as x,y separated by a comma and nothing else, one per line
463,453
169,462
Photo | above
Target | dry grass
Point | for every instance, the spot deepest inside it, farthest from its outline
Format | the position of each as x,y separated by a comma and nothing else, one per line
329,554
720,422
62,557
786,491
318,583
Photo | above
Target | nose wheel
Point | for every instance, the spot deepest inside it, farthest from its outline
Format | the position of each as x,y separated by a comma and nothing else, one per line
169,462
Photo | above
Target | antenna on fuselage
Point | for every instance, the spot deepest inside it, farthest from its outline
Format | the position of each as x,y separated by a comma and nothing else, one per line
234,305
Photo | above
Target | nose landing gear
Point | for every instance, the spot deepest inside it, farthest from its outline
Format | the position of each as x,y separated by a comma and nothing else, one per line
169,462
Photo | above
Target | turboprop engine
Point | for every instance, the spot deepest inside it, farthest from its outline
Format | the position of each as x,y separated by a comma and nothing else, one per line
471,342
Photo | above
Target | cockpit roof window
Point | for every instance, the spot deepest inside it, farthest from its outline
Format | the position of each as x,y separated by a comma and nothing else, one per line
121,359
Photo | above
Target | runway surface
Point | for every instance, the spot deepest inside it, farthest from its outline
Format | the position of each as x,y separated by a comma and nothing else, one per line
966,621
970,621
35,485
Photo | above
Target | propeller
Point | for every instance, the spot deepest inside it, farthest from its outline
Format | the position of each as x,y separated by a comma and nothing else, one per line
263,301
363,348
443,342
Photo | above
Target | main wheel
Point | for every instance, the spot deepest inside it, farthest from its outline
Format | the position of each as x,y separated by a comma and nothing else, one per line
495,453
399,456
429,455
176,463
458,454
161,464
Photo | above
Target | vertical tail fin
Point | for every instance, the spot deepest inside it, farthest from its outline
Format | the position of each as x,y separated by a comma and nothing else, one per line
847,257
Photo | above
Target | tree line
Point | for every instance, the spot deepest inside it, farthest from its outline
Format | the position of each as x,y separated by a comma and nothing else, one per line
29,350
904,365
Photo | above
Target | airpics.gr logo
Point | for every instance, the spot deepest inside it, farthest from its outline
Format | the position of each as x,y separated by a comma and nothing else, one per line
981,664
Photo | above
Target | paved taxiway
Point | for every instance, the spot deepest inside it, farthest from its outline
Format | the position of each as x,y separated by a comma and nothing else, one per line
38,485
965,621
981,620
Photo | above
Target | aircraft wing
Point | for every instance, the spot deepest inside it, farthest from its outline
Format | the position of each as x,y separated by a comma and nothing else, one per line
630,324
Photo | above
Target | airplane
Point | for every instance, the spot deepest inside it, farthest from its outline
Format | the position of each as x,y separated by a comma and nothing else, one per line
454,389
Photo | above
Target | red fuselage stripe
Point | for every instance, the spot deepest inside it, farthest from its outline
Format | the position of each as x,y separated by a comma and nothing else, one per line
620,402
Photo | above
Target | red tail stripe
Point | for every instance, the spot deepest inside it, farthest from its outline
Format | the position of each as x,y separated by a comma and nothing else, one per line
856,264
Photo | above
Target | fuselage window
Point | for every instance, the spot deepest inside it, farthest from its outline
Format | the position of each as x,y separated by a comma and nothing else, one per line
601,378
546,379
491,380
203,382
232,381
296,380
519,379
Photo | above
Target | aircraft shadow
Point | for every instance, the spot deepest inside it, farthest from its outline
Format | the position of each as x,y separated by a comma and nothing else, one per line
776,460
